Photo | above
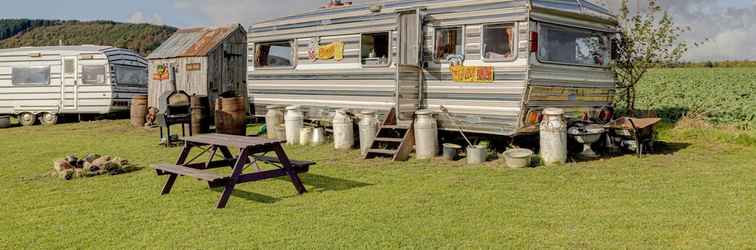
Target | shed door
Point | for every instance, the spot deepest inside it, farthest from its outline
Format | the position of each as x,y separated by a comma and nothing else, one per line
69,85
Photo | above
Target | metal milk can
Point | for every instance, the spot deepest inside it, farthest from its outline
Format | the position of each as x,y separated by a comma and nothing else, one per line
553,137
368,130
343,130
318,136
305,136
294,122
273,118
426,135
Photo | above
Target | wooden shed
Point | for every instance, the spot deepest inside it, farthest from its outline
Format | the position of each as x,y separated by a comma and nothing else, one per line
206,61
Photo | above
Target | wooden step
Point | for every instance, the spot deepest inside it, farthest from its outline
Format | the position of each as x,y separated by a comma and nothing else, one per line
386,139
382,151
201,174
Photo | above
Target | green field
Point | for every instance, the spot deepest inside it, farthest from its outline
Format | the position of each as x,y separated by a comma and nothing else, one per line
699,193
723,96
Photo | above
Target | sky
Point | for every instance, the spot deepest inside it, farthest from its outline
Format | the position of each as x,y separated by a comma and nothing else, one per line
729,25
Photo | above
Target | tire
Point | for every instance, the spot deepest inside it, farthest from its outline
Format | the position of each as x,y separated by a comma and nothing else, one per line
27,119
49,119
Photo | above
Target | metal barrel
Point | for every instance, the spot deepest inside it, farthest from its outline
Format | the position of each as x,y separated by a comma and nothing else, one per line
231,116
138,111
200,114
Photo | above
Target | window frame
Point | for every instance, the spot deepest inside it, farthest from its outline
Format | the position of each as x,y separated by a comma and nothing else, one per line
515,42
83,73
116,82
542,42
390,48
294,55
49,77
435,42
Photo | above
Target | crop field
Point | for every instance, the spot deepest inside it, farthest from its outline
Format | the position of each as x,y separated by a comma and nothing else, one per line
719,95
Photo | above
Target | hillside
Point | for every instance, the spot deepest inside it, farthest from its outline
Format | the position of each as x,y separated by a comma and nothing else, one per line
142,38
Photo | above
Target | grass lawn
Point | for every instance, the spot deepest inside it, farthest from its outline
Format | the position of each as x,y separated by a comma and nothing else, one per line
699,195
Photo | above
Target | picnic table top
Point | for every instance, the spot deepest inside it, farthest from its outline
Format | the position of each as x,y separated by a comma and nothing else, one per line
232,140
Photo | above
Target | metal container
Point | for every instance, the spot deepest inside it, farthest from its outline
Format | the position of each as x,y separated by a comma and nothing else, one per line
5,122
451,151
426,135
280,132
273,118
518,158
294,121
368,130
553,133
318,136
305,136
343,130
477,155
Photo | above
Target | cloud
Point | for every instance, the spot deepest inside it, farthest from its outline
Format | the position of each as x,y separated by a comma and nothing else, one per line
728,24
725,26
139,17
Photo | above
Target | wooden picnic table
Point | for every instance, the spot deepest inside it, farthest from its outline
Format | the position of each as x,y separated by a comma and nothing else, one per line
251,151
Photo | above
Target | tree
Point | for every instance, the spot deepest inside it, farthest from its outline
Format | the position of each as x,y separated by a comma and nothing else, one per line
646,39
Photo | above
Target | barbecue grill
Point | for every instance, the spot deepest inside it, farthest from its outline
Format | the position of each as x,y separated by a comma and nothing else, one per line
176,107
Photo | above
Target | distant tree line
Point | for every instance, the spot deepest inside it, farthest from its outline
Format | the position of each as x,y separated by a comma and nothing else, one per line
142,38
12,27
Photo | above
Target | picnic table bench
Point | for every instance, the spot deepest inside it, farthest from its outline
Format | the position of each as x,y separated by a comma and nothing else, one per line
251,151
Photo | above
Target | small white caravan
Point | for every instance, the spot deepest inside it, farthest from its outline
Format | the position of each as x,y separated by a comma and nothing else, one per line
42,83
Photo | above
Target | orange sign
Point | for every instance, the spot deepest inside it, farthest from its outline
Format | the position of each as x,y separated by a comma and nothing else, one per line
332,51
473,74
161,73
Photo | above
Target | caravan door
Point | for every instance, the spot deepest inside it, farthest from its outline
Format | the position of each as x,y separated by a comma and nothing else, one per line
409,74
69,84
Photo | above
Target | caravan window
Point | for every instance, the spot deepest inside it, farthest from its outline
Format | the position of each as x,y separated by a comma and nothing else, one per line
31,76
448,43
274,54
130,75
498,42
572,46
93,74
375,49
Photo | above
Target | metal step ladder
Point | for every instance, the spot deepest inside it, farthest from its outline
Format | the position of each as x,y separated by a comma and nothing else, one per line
395,139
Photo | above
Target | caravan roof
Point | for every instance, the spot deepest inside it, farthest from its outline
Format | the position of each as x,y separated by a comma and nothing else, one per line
580,7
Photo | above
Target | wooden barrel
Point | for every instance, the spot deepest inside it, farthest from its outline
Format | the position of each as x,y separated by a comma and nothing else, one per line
231,116
138,111
200,115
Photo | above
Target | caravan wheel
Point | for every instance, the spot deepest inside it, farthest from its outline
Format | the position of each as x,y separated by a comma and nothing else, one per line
49,119
27,119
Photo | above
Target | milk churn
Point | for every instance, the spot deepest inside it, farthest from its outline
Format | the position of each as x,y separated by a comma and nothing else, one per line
318,136
305,136
343,130
368,130
273,118
426,135
294,122
553,137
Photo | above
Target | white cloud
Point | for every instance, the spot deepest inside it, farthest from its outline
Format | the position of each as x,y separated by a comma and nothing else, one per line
139,17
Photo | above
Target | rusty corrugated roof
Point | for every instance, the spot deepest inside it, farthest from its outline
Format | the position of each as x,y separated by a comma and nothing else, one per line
195,42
